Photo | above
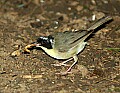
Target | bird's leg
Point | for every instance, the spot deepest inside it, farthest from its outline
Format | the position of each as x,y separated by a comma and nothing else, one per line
75,61
63,63
68,70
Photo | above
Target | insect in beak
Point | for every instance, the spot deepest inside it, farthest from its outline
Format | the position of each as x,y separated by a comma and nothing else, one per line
31,46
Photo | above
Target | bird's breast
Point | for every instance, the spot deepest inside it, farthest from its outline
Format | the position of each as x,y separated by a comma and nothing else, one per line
56,54
65,55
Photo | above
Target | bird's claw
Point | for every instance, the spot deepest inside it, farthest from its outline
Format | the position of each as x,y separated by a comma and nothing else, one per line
60,64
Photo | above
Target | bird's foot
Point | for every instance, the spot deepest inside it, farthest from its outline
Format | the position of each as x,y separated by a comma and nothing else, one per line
68,71
63,63
60,64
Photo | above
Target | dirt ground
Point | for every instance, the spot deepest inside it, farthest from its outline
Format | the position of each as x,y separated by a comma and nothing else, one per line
23,21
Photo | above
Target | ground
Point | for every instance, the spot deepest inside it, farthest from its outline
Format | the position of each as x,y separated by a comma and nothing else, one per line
23,21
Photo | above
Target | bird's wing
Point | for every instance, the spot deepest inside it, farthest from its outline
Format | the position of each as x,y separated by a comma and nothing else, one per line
68,39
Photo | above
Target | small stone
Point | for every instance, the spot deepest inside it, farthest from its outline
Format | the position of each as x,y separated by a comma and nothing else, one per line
79,8
15,53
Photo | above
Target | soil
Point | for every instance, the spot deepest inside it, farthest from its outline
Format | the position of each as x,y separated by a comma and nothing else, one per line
23,21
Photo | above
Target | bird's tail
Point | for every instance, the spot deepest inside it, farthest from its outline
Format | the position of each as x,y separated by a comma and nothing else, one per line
92,28
99,23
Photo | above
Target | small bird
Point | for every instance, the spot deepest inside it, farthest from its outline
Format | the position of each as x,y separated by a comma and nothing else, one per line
66,45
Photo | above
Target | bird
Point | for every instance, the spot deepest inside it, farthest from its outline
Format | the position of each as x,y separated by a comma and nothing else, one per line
68,44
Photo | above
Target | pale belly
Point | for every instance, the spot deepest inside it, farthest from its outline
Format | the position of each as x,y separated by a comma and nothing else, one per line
61,55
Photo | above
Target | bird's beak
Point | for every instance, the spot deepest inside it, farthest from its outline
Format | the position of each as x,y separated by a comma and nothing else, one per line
35,44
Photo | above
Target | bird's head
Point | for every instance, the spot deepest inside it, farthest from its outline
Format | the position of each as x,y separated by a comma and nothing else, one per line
45,41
